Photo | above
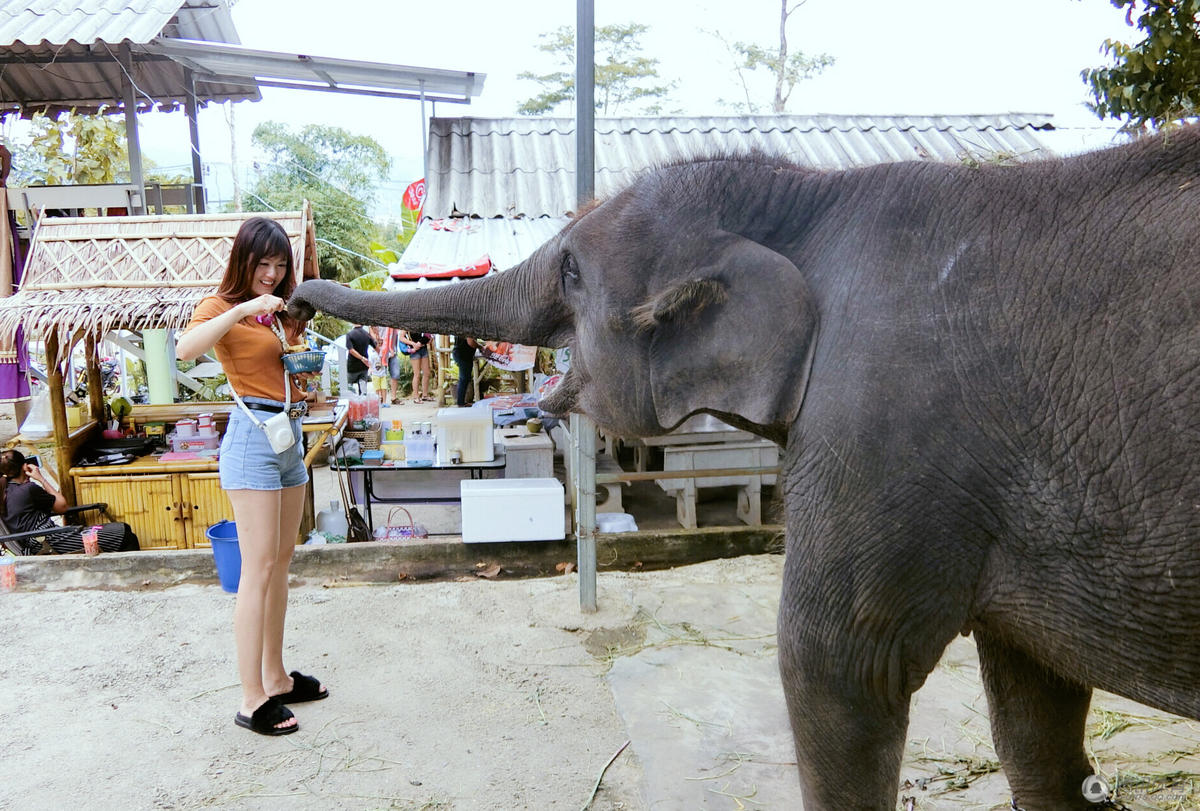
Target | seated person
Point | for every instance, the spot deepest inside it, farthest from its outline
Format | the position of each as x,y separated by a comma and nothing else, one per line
27,501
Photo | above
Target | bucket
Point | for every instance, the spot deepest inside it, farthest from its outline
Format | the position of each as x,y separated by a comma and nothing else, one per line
226,553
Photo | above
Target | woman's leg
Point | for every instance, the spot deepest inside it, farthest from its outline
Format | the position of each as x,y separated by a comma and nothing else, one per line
425,365
257,515
275,677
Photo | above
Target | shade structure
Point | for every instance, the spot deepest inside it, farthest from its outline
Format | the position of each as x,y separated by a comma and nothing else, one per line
92,275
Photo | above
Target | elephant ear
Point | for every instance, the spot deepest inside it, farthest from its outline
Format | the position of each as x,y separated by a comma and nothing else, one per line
735,336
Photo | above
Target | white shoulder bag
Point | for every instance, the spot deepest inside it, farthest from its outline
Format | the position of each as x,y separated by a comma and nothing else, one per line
278,427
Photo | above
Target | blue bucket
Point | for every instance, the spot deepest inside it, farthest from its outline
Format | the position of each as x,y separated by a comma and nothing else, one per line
226,553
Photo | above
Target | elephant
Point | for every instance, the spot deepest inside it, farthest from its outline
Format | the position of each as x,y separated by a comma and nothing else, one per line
985,381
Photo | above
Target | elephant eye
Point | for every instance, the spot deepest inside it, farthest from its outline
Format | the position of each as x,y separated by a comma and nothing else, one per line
569,269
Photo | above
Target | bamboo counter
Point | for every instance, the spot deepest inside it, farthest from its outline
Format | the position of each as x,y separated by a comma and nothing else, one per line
171,504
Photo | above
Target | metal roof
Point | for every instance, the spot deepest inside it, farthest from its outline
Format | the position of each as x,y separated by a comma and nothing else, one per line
460,242
59,55
56,56
233,64
510,167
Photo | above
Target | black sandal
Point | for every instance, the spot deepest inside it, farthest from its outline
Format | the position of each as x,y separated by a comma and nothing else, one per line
304,688
264,719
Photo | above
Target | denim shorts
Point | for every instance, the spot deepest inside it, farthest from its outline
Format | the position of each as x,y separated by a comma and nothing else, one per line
395,367
423,352
247,462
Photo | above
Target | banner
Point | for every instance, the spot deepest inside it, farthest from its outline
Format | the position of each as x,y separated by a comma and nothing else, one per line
414,196
510,357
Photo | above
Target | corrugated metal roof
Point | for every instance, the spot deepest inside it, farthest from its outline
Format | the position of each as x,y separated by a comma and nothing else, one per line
31,22
505,241
60,55
510,167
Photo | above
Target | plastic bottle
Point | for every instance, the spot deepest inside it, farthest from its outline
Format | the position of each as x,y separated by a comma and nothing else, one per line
332,523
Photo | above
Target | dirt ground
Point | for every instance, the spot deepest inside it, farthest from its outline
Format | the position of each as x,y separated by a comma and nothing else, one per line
479,695
483,694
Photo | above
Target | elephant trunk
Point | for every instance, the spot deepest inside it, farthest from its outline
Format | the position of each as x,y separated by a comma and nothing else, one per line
511,306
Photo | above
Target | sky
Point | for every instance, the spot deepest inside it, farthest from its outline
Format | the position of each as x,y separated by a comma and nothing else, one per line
935,56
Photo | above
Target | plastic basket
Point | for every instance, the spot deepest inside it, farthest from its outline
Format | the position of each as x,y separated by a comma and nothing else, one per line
298,362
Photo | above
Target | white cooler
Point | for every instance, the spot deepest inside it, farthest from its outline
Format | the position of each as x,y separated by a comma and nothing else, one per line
512,510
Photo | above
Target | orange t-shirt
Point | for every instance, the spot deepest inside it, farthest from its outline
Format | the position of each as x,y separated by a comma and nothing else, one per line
249,353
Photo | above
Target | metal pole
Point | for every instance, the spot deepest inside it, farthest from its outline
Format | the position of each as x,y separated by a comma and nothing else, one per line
131,130
424,138
194,133
583,430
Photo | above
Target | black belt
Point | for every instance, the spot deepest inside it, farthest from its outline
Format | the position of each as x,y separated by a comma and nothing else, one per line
297,410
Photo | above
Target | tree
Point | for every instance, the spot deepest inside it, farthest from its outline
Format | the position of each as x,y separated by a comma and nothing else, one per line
623,75
72,148
336,171
787,70
1156,81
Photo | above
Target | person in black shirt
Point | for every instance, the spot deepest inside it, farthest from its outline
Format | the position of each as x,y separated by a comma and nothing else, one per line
464,357
27,500
358,341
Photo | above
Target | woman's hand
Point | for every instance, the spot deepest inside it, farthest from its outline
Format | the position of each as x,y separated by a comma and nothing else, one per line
263,305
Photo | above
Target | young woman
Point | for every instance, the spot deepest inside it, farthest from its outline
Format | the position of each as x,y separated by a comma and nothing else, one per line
27,500
419,356
245,324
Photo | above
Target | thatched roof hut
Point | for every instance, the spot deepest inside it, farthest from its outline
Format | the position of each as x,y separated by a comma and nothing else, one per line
97,274
87,276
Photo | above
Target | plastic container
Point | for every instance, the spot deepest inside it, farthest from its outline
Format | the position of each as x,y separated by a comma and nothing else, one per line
185,428
372,457
197,442
298,362
496,510
615,522
332,523
226,553
392,449
91,541
466,430
418,449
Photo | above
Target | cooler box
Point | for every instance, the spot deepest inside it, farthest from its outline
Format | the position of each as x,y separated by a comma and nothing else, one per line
512,510
464,429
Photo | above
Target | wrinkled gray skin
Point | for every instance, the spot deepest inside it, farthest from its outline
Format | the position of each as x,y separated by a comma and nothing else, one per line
987,384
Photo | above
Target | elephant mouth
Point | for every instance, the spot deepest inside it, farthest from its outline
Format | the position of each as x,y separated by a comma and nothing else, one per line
563,398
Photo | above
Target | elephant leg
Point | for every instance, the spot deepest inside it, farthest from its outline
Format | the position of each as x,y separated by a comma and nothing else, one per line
1038,723
849,735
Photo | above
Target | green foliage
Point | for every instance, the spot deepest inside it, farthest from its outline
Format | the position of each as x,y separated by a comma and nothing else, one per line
1155,81
336,171
373,281
623,76
71,148
786,70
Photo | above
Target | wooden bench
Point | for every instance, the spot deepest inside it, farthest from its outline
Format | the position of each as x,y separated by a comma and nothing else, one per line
756,453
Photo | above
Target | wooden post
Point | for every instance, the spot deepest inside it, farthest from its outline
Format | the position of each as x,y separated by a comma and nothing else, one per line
95,382
58,411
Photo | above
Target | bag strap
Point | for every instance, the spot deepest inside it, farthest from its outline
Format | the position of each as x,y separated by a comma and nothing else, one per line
287,401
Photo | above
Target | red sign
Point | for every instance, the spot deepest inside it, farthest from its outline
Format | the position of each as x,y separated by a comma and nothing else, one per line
414,195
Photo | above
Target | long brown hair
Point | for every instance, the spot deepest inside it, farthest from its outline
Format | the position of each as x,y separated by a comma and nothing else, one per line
12,466
259,238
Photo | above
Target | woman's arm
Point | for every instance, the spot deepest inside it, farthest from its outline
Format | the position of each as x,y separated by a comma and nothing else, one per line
203,337
60,501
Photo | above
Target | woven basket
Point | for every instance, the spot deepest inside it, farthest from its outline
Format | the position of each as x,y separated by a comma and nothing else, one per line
367,440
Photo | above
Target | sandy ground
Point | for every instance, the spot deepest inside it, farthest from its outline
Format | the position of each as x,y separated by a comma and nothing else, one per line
476,695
